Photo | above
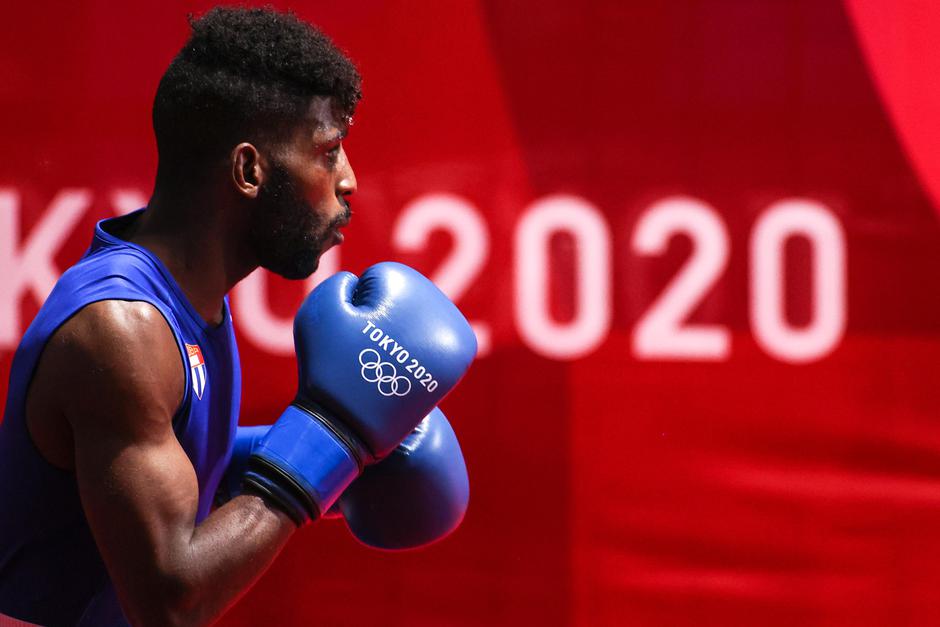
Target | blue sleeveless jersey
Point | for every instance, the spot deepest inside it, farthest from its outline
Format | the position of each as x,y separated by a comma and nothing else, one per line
50,570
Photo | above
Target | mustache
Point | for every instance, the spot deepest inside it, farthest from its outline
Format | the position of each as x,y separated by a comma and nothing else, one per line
344,218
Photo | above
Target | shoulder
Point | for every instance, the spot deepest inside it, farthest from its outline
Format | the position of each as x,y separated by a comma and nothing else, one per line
115,271
109,330
114,358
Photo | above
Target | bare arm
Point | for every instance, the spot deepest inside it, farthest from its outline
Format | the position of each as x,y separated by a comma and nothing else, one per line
115,374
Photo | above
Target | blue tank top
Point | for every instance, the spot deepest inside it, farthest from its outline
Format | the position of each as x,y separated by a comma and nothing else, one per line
50,570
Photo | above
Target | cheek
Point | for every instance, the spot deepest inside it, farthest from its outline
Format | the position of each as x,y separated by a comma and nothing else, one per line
318,189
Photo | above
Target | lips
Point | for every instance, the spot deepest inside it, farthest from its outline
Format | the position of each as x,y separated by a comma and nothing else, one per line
341,222
337,235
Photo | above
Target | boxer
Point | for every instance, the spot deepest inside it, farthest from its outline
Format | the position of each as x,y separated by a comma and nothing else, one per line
121,415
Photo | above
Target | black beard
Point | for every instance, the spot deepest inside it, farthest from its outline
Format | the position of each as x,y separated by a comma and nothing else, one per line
287,234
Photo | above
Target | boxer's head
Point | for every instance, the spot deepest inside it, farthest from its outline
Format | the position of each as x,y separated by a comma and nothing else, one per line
254,108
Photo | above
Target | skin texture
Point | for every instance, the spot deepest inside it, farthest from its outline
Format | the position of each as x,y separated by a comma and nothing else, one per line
110,380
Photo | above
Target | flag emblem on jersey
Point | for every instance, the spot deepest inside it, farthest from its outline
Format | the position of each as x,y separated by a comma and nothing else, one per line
197,366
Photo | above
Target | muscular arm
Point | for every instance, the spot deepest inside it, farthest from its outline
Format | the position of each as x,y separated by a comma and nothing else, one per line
115,376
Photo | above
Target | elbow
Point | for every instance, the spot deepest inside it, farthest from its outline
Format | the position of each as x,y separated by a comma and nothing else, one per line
171,603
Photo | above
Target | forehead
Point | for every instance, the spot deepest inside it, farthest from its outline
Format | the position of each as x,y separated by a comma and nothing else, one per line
325,119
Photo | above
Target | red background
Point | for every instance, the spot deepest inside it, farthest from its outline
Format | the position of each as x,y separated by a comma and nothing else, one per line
608,488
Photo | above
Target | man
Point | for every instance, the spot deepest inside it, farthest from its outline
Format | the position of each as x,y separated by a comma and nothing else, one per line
122,408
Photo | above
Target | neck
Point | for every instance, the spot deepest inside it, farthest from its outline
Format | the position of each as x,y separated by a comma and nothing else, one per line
203,251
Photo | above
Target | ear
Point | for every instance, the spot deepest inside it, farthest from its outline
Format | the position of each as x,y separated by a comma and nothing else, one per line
247,169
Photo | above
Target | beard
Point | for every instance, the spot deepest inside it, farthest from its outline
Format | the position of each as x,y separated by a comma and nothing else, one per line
287,234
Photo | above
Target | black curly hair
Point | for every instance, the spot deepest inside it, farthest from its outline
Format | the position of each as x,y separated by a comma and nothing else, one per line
244,75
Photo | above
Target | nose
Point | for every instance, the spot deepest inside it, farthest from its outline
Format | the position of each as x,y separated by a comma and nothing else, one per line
346,183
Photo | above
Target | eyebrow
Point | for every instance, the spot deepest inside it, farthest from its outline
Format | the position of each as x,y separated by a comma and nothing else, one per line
335,137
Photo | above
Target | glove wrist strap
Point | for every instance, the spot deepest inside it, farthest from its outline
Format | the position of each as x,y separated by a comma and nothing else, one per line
301,464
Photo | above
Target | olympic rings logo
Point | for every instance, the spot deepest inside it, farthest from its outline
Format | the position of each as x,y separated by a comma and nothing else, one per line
383,374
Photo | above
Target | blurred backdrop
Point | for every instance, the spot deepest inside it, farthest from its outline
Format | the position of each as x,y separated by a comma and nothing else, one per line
696,240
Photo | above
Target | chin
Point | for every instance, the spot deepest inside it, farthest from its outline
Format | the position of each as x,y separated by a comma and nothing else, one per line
297,267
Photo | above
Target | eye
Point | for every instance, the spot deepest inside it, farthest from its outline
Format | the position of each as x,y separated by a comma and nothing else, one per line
332,155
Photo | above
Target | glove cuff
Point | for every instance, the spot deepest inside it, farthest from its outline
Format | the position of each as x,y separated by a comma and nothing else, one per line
301,465
277,495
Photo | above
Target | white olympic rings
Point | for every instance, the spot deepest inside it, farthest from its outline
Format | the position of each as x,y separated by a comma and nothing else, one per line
383,374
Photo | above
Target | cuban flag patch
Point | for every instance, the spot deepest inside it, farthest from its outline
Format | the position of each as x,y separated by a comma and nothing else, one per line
197,366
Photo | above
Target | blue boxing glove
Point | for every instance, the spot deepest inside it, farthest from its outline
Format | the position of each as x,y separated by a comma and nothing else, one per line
375,354
414,497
